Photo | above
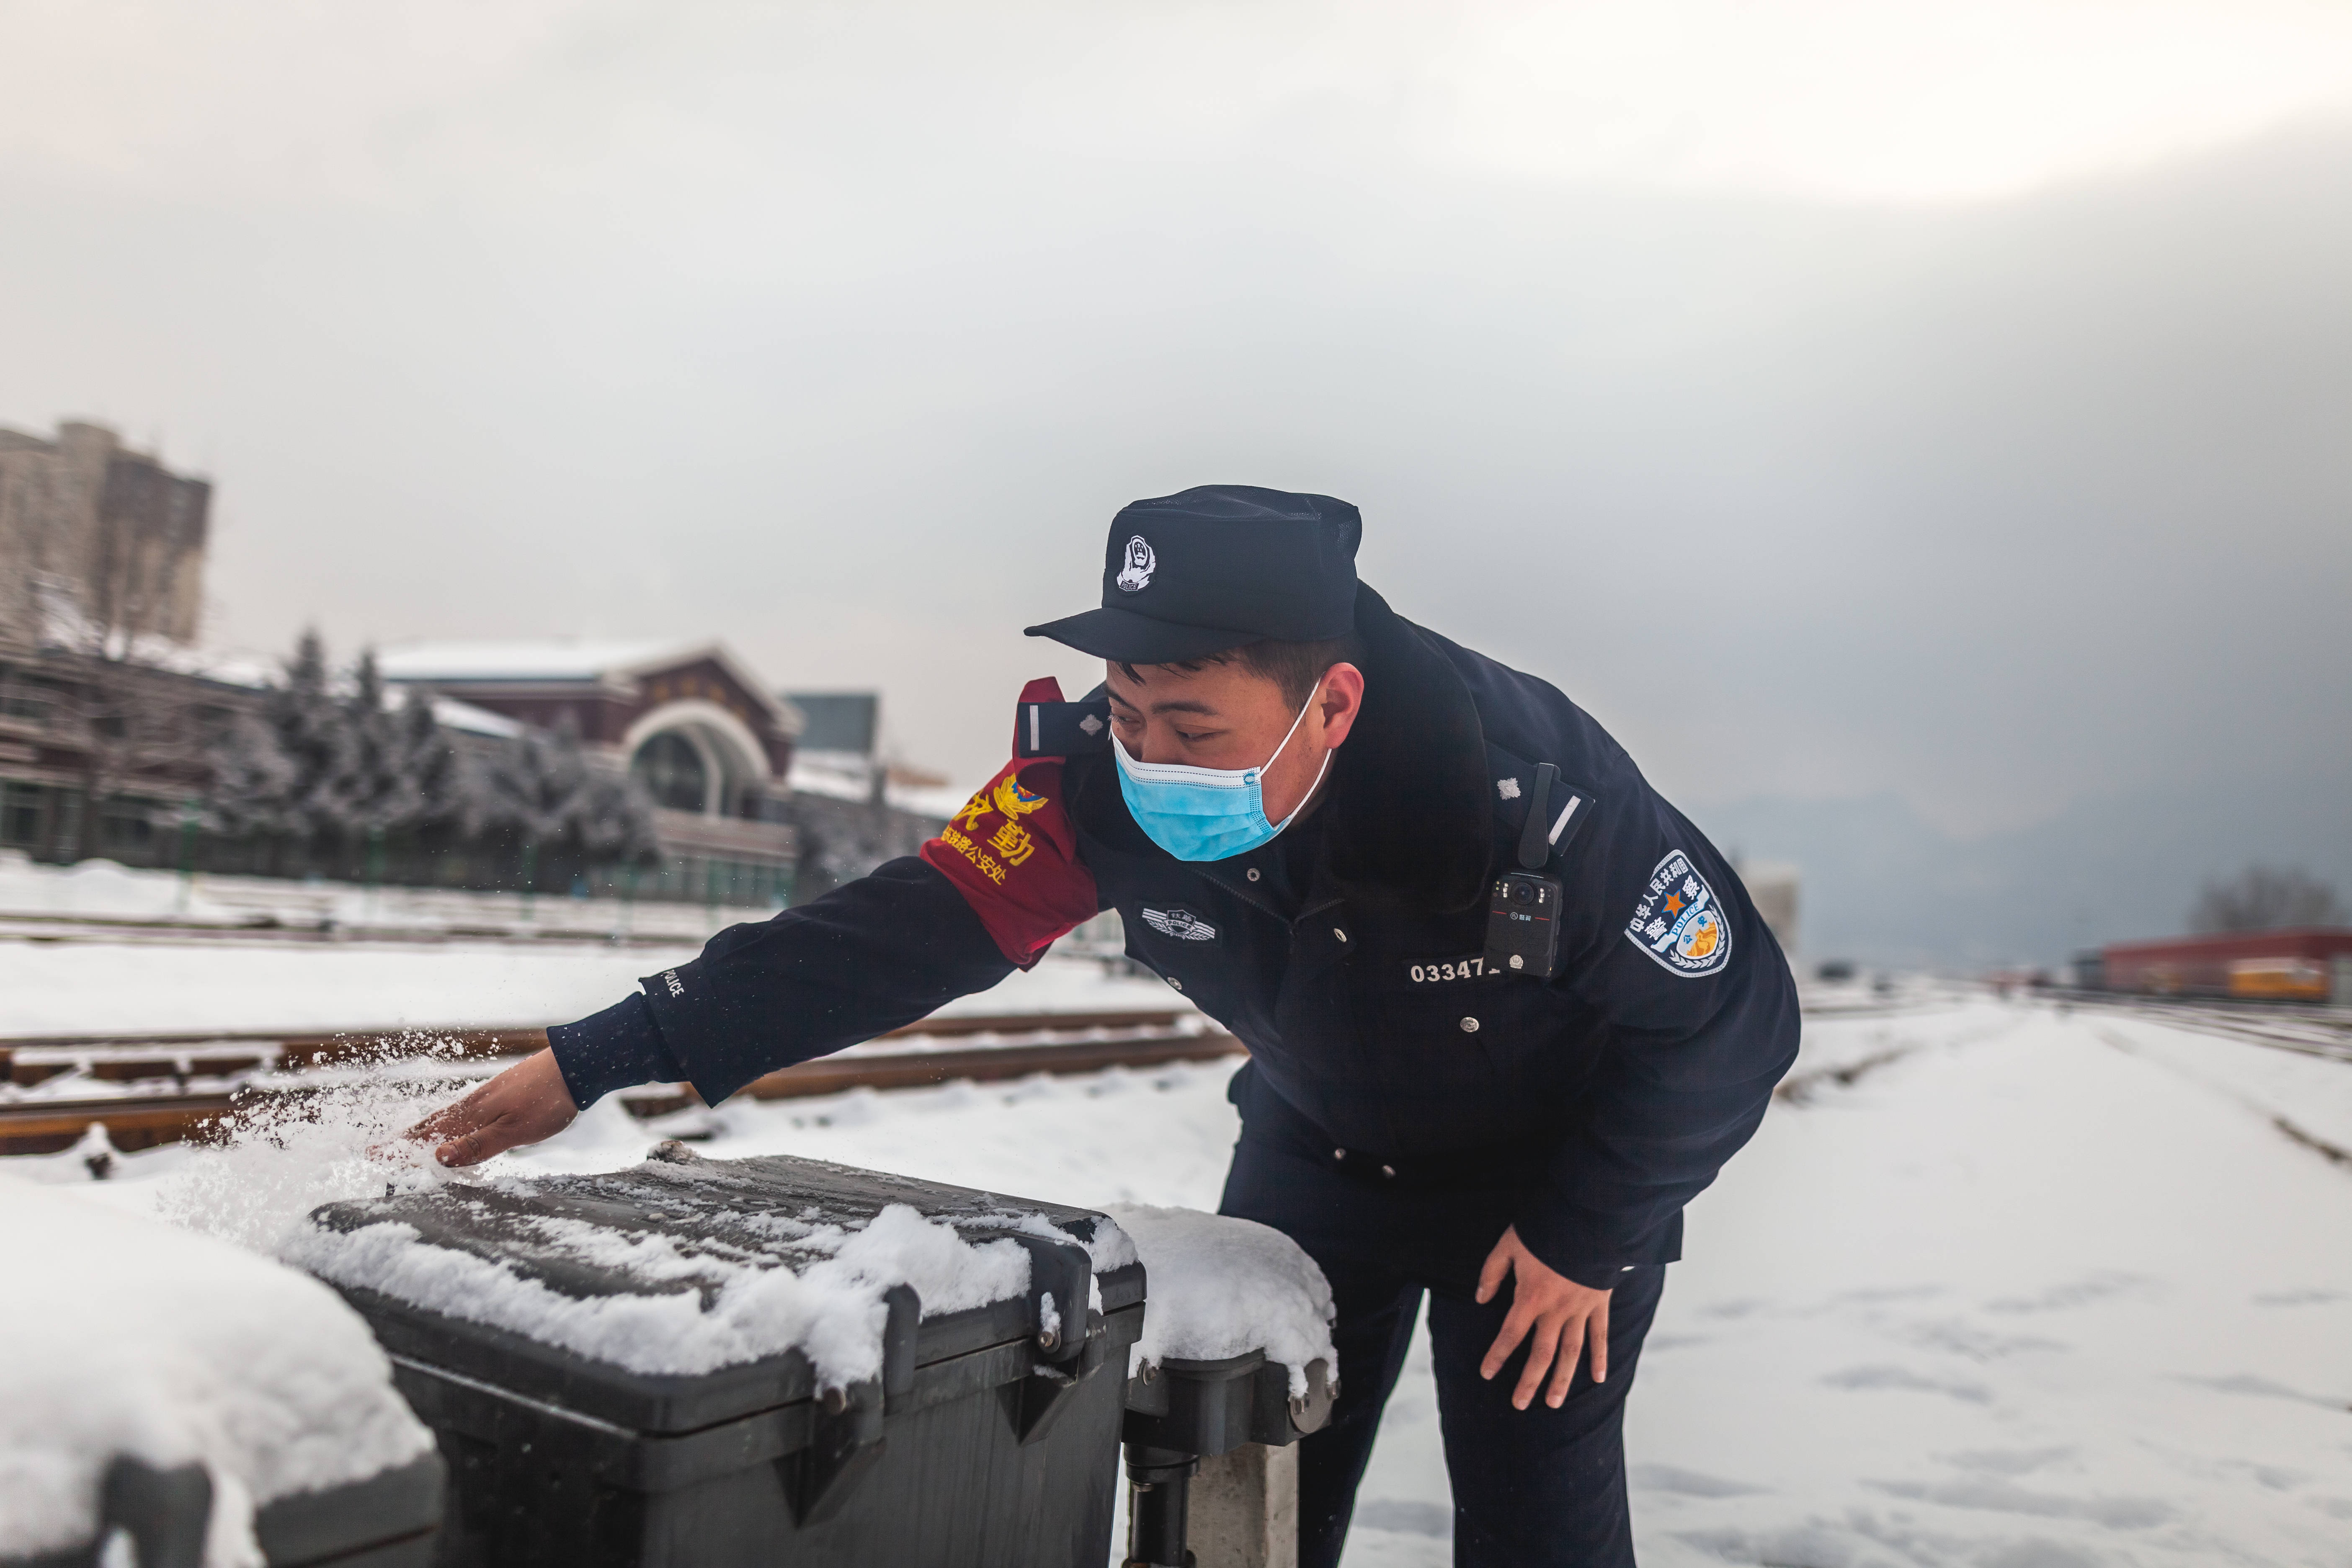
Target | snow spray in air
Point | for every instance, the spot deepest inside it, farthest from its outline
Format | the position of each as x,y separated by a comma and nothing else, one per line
295,1141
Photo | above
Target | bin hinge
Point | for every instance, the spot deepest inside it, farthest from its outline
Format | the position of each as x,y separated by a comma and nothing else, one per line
1061,1276
846,1437
1039,1399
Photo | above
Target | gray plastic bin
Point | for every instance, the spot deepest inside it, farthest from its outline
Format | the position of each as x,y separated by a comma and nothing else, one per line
987,1439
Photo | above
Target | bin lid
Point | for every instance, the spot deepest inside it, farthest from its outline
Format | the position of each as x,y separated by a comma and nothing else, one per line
684,1291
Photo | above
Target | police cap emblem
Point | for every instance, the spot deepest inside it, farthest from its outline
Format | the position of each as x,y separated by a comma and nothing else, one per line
1136,574
1679,922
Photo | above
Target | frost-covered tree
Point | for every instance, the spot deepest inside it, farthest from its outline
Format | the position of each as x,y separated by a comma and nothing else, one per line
448,786
330,768
617,820
313,732
252,781
536,788
376,791
565,813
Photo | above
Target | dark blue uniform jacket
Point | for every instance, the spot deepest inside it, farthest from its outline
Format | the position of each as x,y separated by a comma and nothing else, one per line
1625,1084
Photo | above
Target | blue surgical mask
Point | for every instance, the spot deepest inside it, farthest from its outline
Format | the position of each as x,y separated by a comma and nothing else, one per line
1205,814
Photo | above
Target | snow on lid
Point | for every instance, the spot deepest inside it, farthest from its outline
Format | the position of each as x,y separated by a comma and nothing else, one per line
1221,1287
128,1337
684,1267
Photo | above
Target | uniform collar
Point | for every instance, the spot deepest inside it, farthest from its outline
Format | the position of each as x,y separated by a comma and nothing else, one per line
1410,825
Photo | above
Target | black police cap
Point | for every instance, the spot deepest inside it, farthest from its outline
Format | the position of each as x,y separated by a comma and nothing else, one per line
1214,567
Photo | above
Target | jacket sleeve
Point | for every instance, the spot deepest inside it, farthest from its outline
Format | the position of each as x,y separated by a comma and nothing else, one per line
1701,1015
990,894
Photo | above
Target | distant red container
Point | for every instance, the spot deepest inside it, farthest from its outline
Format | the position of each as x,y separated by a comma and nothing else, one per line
2298,963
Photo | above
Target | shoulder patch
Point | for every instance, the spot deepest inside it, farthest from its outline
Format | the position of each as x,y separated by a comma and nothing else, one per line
1679,922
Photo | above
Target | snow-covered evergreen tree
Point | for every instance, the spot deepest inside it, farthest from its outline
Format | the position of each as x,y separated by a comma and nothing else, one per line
330,767
537,793
377,792
252,781
449,788
617,820
313,735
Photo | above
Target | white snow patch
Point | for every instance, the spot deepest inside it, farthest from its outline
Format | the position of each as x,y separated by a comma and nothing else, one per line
1976,1306
127,1337
260,984
1221,1287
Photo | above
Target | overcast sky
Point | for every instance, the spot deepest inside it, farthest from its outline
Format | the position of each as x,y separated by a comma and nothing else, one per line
1948,399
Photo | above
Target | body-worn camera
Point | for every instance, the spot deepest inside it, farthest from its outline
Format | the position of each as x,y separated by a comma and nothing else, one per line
1523,913
1523,925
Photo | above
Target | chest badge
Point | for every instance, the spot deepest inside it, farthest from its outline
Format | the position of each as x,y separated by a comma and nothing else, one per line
1181,924
1679,922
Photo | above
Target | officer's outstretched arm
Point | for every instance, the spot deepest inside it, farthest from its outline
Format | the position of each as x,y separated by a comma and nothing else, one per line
998,886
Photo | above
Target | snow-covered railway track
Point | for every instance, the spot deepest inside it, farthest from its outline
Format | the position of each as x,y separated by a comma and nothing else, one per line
154,1090
120,930
2316,1032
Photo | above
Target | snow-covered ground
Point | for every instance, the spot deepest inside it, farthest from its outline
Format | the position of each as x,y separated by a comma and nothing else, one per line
103,892
229,983
2310,1094
2028,1291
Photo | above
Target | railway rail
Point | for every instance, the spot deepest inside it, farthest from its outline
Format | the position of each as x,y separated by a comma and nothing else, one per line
127,931
2312,1031
157,1089
161,1088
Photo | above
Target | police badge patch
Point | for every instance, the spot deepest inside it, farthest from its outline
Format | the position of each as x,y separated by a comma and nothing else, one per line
1679,922
1136,575
1181,924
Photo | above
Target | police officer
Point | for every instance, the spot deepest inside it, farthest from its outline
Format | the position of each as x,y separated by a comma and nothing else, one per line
1303,807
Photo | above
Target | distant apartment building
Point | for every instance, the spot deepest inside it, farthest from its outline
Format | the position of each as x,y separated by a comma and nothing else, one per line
101,592
99,544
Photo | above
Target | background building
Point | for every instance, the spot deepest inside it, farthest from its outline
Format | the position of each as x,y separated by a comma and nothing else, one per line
713,748
854,807
2307,964
101,545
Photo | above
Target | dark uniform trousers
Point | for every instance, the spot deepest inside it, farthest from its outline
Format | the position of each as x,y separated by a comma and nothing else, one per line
1532,1488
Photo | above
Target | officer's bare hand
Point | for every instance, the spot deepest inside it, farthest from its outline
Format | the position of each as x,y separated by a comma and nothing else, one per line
522,1105
1564,1318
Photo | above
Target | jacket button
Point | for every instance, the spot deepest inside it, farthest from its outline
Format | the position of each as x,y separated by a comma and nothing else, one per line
1253,873
1469,1026
1337,932
1176,982
1389,1170
1338,1154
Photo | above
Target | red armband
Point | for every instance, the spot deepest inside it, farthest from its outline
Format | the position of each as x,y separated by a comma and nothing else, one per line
1012,853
